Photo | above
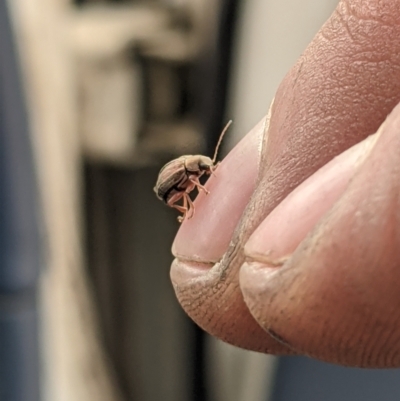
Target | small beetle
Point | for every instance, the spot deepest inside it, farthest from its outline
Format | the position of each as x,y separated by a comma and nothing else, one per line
178,178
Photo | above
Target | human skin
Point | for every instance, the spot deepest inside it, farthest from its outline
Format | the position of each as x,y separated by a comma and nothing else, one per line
296,250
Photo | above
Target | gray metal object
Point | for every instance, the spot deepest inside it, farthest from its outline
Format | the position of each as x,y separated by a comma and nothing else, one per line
305,379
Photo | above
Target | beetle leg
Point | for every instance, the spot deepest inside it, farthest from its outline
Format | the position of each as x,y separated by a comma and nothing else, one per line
187,208
191,206
188,204
196,182
175,198
183,209
213,168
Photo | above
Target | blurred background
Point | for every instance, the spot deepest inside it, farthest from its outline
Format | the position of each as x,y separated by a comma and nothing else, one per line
95,96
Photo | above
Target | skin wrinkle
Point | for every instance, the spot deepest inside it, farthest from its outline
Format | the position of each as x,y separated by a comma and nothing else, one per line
278,337
380,338
351,340
240,236
374,54
372,11
224,296
390,359
359,23
344,18
203,264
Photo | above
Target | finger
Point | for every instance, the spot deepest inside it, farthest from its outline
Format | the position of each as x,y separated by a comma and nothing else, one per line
337,296
206,236
206,240
278,236
338,93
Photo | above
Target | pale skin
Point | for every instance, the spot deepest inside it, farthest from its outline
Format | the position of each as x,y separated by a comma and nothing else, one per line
316,272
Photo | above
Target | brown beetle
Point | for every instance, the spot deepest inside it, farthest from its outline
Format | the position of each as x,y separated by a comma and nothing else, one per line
178,178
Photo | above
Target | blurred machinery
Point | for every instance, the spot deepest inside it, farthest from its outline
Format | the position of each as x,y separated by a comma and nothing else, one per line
20,243
151,77
114,91
151,86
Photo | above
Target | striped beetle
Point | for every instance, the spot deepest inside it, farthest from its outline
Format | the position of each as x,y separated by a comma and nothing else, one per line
178,178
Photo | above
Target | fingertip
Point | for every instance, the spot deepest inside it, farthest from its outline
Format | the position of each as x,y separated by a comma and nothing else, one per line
206,236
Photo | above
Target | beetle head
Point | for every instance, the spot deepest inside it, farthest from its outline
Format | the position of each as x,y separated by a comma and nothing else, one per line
198,164
205,163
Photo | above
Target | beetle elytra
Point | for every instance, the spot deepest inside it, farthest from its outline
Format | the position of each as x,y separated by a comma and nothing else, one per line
178,178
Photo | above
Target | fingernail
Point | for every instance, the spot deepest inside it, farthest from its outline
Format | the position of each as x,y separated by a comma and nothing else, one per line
287,225
206,236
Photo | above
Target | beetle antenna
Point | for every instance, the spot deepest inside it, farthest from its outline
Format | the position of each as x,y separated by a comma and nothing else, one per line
220,140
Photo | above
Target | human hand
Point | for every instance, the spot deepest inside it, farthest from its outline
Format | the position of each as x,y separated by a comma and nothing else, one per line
294,250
